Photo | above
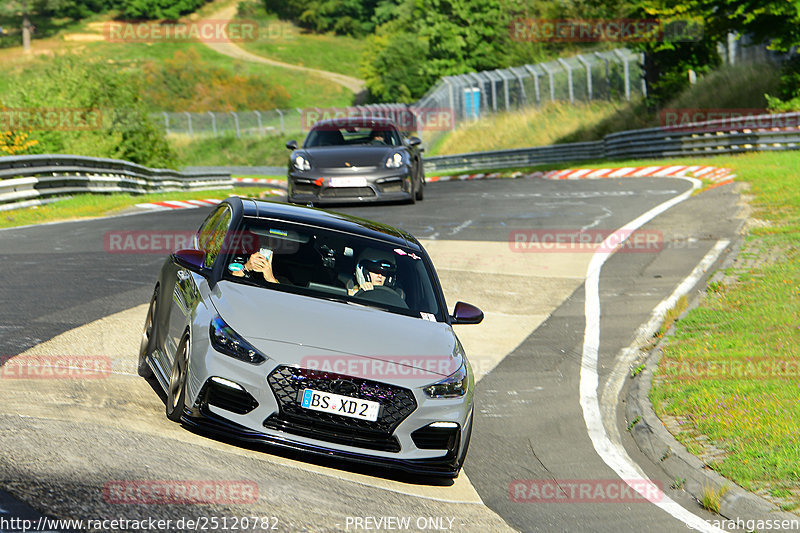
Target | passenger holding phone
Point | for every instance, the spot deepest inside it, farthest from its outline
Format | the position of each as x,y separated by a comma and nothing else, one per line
261,261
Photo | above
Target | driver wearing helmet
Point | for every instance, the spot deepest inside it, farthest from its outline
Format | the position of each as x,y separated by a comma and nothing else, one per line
374,270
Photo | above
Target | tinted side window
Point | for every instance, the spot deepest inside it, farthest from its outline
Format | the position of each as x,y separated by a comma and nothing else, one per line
216,238
208,226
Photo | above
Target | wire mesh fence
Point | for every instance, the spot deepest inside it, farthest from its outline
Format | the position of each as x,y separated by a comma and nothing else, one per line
239,123
612,75
615,74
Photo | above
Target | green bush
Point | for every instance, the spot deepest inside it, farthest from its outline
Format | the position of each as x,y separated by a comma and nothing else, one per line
788,93
158,9
186,83
101,112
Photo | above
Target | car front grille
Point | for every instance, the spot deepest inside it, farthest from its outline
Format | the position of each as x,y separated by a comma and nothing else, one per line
288,383
347,192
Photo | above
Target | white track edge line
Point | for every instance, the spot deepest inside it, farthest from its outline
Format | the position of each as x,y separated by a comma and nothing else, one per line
614,456
627,356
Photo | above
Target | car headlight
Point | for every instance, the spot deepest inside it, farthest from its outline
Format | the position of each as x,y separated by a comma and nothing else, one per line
396,160
227,341
301,163
453,386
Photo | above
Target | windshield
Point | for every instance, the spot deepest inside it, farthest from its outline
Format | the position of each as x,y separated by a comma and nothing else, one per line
348,135
332,265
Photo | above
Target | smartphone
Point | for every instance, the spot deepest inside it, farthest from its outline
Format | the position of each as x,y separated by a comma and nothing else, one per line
266,252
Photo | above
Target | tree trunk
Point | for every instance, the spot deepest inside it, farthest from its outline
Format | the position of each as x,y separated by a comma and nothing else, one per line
26,33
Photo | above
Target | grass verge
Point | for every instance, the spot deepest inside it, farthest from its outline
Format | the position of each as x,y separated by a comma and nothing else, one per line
96,205
537,126
227,150
729,376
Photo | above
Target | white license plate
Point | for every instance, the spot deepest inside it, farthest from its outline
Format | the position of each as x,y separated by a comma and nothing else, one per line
336,404
348,182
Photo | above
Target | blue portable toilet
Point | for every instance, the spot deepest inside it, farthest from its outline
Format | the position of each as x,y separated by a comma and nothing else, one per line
472,103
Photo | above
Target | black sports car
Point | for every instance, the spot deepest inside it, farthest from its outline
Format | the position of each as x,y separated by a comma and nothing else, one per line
355,159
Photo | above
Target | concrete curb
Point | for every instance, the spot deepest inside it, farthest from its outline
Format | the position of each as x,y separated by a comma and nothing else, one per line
658,444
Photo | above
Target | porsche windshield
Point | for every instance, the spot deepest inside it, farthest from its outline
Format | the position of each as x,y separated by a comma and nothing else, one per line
348,135
332,265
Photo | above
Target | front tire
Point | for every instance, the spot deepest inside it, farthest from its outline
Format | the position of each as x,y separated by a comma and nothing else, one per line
420,189
176,393
412,191
146,346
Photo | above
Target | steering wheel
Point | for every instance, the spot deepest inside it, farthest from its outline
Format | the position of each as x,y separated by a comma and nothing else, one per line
382,295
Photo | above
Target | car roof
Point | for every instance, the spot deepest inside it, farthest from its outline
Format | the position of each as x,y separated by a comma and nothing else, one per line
262,209
354,121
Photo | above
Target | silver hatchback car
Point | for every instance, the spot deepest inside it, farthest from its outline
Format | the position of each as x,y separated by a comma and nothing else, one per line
312,331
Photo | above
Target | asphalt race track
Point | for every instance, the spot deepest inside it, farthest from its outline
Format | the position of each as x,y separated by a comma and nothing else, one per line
64,441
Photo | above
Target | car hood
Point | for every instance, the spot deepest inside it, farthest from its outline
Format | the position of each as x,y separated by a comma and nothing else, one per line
342,338
356,156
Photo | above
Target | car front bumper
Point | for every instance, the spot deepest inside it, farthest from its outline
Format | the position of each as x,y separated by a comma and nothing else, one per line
448,466
257,413
380,185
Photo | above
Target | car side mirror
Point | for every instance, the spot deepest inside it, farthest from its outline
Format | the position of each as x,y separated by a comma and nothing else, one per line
191,260
414,141
465,313
291,145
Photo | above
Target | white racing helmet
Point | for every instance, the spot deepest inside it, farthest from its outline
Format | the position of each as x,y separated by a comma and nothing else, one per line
380,262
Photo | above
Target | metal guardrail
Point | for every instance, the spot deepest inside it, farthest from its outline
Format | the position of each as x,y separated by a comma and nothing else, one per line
37,179
745,134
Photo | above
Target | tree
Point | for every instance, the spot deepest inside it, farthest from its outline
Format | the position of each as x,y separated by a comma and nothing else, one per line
158,9
24,9
773,22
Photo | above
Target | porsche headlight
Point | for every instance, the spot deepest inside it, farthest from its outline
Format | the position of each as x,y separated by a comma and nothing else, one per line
227,341
301,163
396,160
453,386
